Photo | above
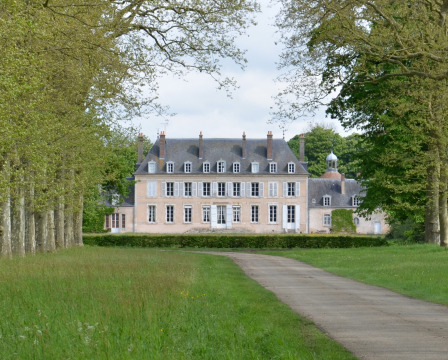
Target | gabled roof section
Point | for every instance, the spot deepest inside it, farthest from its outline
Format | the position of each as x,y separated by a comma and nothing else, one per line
230,150
318,188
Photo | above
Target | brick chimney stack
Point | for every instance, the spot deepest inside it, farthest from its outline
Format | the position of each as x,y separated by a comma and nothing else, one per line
162,142
302,148
200,146
269,146
243,147
140,148
342,184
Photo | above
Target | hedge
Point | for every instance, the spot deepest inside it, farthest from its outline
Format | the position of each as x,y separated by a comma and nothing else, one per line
276,241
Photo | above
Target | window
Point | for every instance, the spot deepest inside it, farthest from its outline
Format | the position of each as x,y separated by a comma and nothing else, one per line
236,167
169,213
236,189
273,214
206,214
170,167
255,167
355,201
221,166
188,213
291,189
291,168
115,221
123,221
221,189
187,167
327,220
254,189
254,213
169,189
221,215
206,189
206,167
236,214
291,214
273,189
187,189
152,214
356,221
152,167
327,200
273,167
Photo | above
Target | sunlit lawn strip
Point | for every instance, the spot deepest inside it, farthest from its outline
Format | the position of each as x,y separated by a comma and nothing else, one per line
418,271
98,303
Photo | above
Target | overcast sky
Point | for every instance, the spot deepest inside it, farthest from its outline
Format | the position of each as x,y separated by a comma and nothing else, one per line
199,106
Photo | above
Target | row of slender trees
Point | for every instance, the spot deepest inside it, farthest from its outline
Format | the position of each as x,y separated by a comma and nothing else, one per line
70,72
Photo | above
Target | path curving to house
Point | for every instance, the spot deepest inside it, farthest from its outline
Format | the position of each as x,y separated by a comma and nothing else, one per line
371,322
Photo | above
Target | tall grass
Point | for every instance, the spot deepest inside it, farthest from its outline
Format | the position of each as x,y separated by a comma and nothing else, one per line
106,303
419,271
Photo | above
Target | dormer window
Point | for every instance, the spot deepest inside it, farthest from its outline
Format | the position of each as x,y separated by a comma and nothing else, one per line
327,200
291,168
273,167
221,166
206,167
236,167
255,167
152,167
355,201
187,167
170,167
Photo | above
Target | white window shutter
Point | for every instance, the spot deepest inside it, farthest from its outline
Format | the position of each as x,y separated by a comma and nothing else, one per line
285,189
242,189
285,216
275,189
229,216
249,189
152,188
214,189
229,189
182,186
176,189
297,189
214,216
200,187
195,189
261,185
164,189
297,216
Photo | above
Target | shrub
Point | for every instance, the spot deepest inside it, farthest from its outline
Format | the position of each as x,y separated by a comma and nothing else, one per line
342,221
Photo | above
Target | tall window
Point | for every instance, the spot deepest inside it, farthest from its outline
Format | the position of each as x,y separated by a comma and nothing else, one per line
187,189
206,167
236,167
206,189
169,189
152,214
291,214
327,220
170,167
187,213
115,220
254,213
255,167
169,214
221,215
254,189
291,189
236,189
273,214
236,214
187,167
151,167
273,167
291,168
327,200
221,189
206,214
221,166
273,189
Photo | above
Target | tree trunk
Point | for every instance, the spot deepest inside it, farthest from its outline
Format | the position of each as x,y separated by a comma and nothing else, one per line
59,223
68,226
41,231
6,228
30,224
77,222
51,245
432,230
18,223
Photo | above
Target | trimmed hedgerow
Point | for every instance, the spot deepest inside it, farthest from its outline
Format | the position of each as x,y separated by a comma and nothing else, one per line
279,241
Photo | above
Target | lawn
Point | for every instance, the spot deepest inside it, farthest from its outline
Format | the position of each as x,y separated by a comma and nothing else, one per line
419,271
118,303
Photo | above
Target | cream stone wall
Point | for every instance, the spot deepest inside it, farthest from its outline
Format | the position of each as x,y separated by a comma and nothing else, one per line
147,194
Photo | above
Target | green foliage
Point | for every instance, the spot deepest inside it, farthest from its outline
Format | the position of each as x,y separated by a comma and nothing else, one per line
233,241
342,221
406,232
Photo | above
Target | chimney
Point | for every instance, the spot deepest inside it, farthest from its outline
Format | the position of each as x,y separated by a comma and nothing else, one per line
200,146
140,148
269,146
243,146
162,145
342,184
302,148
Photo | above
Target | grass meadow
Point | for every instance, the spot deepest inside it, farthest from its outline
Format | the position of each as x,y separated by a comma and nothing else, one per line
419,271
118,303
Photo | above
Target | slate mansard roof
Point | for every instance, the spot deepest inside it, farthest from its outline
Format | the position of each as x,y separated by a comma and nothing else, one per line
318,188
180,151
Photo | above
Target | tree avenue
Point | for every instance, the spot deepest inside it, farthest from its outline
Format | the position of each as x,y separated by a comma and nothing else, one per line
381,66
71,70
